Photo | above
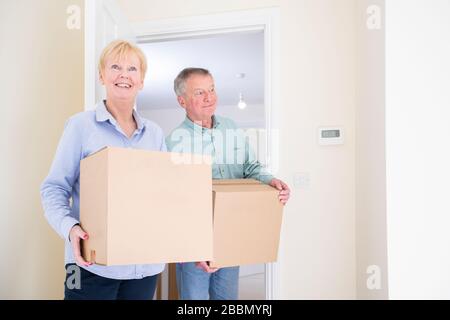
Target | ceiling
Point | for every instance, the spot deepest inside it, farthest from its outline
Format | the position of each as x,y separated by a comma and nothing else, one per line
224,56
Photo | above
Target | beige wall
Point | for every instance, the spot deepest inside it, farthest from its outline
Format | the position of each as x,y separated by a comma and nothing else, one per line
371,241
144,10
318,77
42,85
318,84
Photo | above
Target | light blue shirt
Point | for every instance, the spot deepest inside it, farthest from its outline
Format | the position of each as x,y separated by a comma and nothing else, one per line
231,154
84,134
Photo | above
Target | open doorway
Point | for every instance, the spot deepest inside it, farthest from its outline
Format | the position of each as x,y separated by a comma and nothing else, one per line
236,60
105,21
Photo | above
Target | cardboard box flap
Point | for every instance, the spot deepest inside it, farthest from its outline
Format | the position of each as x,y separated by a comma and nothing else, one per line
243,188
98,151
235,181
240,185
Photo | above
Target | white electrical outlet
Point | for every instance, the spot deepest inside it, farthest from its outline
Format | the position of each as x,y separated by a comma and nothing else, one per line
301,180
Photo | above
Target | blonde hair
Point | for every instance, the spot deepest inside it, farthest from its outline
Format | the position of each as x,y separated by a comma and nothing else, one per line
119,49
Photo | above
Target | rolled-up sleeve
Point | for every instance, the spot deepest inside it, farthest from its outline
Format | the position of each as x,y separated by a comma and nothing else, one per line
253,168
56,189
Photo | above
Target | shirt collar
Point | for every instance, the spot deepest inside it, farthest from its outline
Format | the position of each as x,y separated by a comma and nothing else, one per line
102,114
193,125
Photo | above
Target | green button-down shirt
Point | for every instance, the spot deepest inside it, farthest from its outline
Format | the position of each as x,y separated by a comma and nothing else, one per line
232,156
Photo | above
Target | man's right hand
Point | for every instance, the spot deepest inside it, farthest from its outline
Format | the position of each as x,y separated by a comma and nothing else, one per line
205,267
75,236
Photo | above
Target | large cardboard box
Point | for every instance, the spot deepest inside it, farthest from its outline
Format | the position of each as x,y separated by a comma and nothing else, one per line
141,207
247,222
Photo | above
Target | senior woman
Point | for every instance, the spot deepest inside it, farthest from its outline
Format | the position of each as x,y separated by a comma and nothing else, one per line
114,122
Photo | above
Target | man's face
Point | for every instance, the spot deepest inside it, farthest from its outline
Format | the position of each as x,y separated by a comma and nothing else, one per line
200,97
122,79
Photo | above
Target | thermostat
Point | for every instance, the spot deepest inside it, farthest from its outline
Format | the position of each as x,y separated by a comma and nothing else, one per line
331,136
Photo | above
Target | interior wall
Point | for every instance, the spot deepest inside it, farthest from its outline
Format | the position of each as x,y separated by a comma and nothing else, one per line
42,85
371,228
417,153
317,257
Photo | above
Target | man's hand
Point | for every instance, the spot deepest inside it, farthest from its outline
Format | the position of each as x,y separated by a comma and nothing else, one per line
205,267
76,235
284,194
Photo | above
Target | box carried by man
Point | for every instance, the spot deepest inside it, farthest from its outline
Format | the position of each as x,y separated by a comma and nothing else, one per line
247,222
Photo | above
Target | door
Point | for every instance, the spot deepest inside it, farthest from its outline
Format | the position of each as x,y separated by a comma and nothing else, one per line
104,22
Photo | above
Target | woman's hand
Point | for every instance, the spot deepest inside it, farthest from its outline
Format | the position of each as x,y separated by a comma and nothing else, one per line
75,236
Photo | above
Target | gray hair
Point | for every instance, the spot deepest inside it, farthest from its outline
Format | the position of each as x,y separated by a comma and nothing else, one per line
179,84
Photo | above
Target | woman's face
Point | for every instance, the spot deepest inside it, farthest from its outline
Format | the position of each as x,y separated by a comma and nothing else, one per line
122,78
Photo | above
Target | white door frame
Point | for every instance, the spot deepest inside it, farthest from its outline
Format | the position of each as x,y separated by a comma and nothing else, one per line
266,20
104,21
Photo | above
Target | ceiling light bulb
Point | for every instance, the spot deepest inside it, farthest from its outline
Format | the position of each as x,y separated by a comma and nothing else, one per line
241,103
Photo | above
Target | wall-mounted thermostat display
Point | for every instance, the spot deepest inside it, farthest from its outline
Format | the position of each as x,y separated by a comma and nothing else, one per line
331,136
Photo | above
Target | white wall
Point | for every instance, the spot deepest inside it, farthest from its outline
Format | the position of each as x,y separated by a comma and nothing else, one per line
318,79
41,86
168,118
371,241
417,148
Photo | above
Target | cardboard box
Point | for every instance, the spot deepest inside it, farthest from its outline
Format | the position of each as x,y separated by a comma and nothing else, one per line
247,222
141,207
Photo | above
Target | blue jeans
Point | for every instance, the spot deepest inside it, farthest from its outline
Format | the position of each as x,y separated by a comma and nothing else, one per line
95,287
195,284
